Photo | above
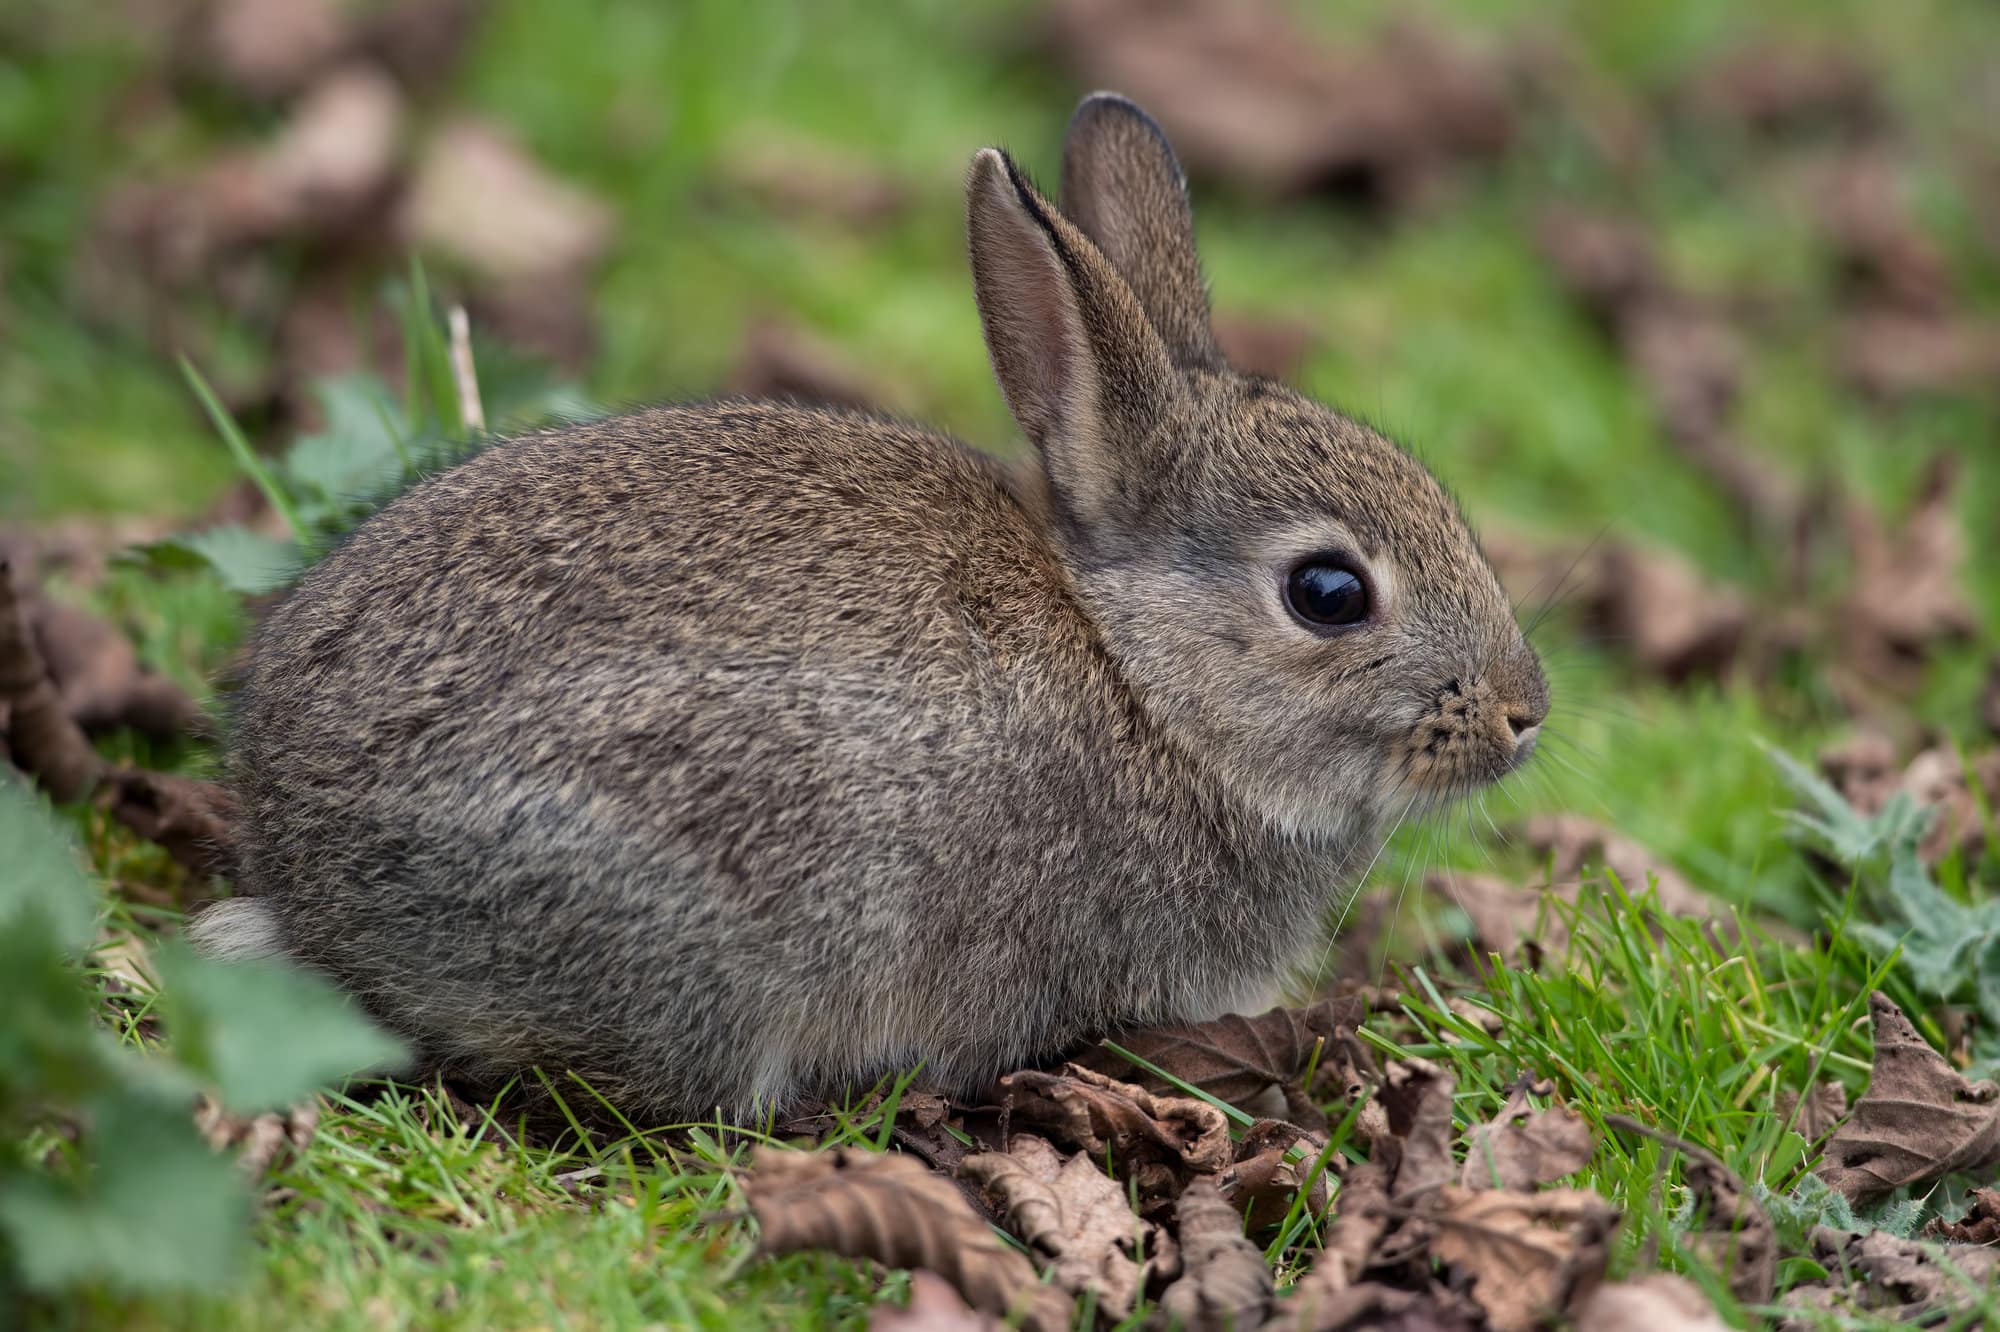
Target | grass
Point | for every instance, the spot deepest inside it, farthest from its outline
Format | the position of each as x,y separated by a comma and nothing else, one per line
1446,328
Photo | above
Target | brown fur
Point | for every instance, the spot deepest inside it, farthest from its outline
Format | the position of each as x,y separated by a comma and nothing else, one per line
727,753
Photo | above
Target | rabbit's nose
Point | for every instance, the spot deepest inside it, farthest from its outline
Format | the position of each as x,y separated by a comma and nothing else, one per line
1526,724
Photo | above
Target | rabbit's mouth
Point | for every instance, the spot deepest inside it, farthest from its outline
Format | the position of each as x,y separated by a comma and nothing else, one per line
1468,739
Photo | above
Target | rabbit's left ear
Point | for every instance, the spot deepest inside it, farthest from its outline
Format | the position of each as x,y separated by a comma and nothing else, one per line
1123,187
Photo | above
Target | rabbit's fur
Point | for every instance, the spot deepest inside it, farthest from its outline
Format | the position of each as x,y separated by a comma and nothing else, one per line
730,753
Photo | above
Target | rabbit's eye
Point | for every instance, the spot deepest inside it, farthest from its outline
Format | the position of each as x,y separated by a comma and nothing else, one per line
1326,592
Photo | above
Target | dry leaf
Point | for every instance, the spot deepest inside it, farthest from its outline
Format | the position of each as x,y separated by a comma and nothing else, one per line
1274,346
802,179
1524,1147
934,1307
1782,86
781,360
1528,1255
1904,1280
1361,1217
894,1211
1368,1308
195,820
479,198
1416,1096
1074,1218
1272,1160
1247,94
1979,1225
1864,770
1089,1112
1236,1058
1659,1302
258,1140
42,739
1919,1120
1905,598
1813,1116
1225,1283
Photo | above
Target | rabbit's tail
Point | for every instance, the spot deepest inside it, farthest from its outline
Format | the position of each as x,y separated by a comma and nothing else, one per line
239,927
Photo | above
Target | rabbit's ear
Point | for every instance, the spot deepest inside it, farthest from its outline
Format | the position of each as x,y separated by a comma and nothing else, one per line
1082,368
1123,187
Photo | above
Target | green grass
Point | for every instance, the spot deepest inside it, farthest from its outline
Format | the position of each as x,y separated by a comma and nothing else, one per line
1446,327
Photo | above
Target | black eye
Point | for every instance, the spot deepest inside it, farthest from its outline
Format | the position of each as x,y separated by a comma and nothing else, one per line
1327,592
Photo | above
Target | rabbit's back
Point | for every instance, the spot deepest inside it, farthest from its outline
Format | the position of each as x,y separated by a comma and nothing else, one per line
716,752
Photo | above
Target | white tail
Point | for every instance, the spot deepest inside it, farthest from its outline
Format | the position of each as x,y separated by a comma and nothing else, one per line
237,928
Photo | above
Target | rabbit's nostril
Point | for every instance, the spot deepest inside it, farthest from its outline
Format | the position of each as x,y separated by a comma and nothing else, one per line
1522,723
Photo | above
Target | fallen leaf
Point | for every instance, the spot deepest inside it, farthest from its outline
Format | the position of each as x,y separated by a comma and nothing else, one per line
259,1141
1274,346
1371,1307
1272,1161
195,820
1905,598
268,48
1573,842
1658,1302
1919,1120
892,1210
337,158
1075,1220
781,360
100,679
1979,1225
1527,1255
1417,1097
1225,1283
1248,95
1087,1111
1785,86
479,198
1989,699
1361,1217
812,180
1907,1281
1235,1058
934,1306
1864,770
1887,353
1814,1115
41,738
1524,1147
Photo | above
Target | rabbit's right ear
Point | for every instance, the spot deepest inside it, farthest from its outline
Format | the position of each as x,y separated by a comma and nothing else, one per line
1083,370
1124,188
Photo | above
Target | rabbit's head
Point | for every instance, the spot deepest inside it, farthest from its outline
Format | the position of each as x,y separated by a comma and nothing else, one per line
1296,599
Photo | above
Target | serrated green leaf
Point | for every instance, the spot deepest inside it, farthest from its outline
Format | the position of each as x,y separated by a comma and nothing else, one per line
40,873
264,1033
361,451
156,1210
249,563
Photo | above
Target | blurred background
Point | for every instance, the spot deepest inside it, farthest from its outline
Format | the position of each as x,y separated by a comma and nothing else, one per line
1696,304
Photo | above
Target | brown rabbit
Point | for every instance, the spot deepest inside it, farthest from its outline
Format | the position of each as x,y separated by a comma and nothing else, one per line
733,752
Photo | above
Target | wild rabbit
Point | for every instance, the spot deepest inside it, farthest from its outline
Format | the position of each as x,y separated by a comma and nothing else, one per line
735,752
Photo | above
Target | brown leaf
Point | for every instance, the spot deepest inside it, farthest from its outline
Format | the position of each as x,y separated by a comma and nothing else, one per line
1527,1255
1524,1147
1905,599
1785,85
813,180
1659,1302
781,360
1417,1098
1272,1161
258,1140
1888,353
97,672
934,1307
1361,1217
1236,1058
1225,1283
1864,770
1813,1116
269,48
479,198
1090,1112
1574,842
1919,1120
1274,346
1906,1280
1370,1307
1074,1218
1979,1225
1247,94
40,736
1989,699
892,1210
196,821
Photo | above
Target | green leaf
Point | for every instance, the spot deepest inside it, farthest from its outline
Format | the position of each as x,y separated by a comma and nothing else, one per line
249,563
40,873
360,453
263,1033
239,447
156,1210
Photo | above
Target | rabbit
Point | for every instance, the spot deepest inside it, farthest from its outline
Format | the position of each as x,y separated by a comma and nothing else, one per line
738,753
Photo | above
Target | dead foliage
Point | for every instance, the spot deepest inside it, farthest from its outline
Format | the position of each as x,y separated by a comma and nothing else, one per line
779,359
1252,96
1979,1225
1785,85
1225,1283
259,1141
1524,1147
807,181
1075,1220
891,1209
92,676
1919,1120
1526,1255
1908,1281
1865,770
934,1307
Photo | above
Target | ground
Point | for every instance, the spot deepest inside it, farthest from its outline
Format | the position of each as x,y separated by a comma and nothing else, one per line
1441,315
